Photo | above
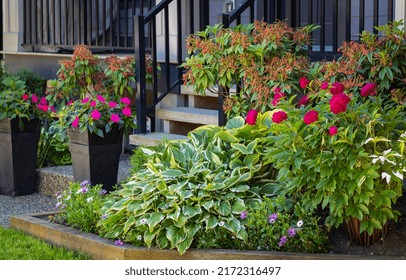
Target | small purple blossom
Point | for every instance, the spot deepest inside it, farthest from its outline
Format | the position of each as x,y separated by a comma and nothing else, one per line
84,183
102,192
58,205
282,241
272,218
118,242
84,190
243,215
104,216
291,232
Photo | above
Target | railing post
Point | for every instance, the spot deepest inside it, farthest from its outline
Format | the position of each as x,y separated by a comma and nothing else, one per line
141,97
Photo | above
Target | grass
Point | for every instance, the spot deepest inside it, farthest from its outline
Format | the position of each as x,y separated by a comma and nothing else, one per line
17,245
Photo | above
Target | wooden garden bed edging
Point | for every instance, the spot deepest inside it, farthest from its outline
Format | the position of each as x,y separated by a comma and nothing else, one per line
104,249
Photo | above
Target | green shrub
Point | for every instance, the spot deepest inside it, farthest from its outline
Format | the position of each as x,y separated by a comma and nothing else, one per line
80,206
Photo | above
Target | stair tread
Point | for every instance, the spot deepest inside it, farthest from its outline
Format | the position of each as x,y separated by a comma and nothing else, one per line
154,138
189,115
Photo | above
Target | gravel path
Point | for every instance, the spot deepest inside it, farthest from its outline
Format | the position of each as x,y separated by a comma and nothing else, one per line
27,204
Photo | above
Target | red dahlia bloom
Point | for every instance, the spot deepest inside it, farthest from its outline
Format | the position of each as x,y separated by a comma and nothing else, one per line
277,97
324,85
332,130
311,117
303,82
368,90
304,100
337,88
25,96
339,102
279,117
251,118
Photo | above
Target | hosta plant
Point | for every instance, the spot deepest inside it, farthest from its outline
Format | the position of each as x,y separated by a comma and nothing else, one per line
192,186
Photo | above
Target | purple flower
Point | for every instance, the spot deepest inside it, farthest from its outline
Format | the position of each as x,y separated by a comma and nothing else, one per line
272,218
84,183
291,232
118,243
104,216
102,192
282,241
58,205
84,190
243,215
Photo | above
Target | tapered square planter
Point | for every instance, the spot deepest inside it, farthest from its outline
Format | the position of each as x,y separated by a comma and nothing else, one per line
94,158
18,156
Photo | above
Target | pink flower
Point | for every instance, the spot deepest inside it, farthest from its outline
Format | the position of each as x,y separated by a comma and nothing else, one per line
70,102
303,101
303,82
85,100
101,99
52,108
125,100
277,90
337,88
324,85
92,103
368,90
43,107
332,130
43,101
25,96
279,117
112,104
339,102
277,97
75,122
127,111
95,115
251,117
311,117
115,118
34,98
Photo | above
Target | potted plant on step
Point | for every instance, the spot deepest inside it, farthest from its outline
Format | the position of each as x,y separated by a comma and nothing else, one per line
21,114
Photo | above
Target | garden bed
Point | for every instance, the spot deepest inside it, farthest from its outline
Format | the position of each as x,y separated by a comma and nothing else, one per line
100,248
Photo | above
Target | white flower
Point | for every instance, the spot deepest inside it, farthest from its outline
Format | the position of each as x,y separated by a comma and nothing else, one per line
79,191
59,197
221,224
386,176
139,237
143,221
68,198
299,223
90,199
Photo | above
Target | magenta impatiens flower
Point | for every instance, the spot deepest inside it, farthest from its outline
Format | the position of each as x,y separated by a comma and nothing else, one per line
251,118
25,96
127,111
115,118
311,117
34,98
43,101
368,90
112,104
92,103
339,102
324,85
85,100
69,102
277,97
75,122
125,100
101,99
303,101
303,82
95,115
43,108
332,130
279,116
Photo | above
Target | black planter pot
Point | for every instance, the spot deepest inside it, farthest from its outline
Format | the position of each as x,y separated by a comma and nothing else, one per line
94,158
18,156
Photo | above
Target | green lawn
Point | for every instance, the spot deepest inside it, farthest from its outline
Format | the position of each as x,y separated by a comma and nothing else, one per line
16,245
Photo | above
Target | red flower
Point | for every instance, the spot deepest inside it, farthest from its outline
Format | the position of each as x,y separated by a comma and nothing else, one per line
277,90
127,111
25,96
337,88
125,100
85,100
95,115
303,82
112,104
277,97
75,122
303,101
101,99
311,117
368,90
324,85
115,118
70,102
92,103
332,130
43,101
251,117
279,117
43,107
339,102
34,98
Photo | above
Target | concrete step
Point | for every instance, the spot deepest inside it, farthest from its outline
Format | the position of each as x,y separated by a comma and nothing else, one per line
189,115
154,138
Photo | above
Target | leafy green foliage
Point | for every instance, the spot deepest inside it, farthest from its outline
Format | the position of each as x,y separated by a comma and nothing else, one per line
265,234
187,187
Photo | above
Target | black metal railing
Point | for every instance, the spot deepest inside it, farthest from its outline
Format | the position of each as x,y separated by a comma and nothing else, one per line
99,24
170,76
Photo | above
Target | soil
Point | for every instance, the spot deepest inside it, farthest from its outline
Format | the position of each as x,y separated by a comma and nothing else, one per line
394,244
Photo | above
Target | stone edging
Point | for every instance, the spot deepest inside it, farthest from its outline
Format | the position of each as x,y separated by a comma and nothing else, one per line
104,249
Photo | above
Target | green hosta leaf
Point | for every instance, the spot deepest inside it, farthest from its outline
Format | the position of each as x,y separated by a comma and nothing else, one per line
251,160
175,235
212,222
225,208
162,241
241,148
236,122
215,158
191,211
154,219
184,245
226,136
149,237
172,173
234,226
207,204
182,219
240,188
238,206
175,215
129,223
242,234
